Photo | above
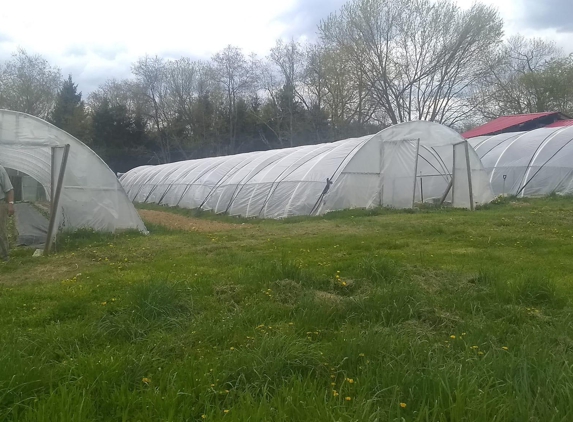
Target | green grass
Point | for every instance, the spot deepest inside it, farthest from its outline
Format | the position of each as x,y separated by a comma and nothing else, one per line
461,316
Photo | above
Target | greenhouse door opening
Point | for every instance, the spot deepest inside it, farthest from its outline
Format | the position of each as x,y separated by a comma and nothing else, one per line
399,168
36,218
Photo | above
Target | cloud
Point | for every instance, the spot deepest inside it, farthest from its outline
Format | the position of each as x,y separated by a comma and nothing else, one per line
548,14
302,20
5,38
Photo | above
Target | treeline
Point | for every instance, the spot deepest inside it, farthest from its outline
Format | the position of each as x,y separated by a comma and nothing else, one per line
376,63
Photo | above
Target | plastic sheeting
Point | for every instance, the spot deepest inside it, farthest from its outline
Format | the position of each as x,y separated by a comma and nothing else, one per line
392,168
32,226
535,163
91,197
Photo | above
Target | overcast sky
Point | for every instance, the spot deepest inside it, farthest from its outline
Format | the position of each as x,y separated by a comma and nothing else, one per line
100,41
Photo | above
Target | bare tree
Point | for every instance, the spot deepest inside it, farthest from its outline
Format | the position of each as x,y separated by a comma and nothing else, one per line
418,57
236,74
514,82
29,84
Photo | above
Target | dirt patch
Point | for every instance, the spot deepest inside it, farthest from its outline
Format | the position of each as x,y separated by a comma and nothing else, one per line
180,222
519,204
329,298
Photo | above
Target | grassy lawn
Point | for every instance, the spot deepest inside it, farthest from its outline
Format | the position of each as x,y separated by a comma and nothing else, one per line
355,316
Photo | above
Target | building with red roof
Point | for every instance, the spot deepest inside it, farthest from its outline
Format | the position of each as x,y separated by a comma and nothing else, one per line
519,123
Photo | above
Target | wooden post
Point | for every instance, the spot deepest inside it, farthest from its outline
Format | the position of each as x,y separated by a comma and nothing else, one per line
56,201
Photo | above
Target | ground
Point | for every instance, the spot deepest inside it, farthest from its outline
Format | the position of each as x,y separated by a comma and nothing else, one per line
433,315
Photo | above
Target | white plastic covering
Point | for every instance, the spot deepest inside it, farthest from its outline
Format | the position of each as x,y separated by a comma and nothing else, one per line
391,168
535,163
91,197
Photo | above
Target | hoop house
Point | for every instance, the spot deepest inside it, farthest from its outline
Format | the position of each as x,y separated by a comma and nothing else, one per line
90,196
535,163
397,167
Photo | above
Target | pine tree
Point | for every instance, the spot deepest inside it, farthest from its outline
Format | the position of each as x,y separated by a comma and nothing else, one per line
69,112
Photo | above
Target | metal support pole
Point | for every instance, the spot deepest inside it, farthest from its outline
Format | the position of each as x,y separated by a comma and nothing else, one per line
469,169
415,172
453,175
422,189
56,201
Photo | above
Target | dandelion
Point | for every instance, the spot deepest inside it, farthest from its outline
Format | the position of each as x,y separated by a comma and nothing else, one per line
291,323
145,380
226,391
403,405
203,416
333,376
475,347
463,334
361,355
347,398
343,284
453,337
505,348
232,348
350,380
335,393
103,303
333,384
212,385
226,411
480,353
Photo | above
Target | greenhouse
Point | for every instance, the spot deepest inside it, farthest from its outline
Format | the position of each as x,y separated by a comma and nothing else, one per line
533,163
397,167
76,183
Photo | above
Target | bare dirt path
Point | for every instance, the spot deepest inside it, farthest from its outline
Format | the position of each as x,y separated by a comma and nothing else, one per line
180,222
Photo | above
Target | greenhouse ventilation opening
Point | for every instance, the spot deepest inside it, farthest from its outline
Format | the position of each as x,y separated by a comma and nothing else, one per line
82,191
402,165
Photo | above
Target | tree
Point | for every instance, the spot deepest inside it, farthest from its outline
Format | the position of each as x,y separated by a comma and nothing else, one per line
524,76
419,58
29,84
69,112
236,75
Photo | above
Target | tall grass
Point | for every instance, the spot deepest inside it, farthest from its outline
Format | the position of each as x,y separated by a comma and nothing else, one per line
358,316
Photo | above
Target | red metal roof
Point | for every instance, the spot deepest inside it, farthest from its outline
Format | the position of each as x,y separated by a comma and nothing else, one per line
561,123
502,123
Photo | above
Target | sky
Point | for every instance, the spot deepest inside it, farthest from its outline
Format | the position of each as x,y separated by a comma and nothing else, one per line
101,41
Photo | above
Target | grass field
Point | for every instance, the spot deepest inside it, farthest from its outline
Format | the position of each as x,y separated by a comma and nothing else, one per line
355,316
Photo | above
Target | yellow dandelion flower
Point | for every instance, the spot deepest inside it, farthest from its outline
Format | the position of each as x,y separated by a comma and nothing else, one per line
480,353
350,380
335,393
203,416
226,391
343,284
103,303
291,323
333,376
226,411
505,348
145,380
361,355
232,348
347,398
453,337
475,347
403,405
333,384
463,334
212,385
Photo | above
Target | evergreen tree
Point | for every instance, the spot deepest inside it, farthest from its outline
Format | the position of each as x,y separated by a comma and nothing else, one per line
69,112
